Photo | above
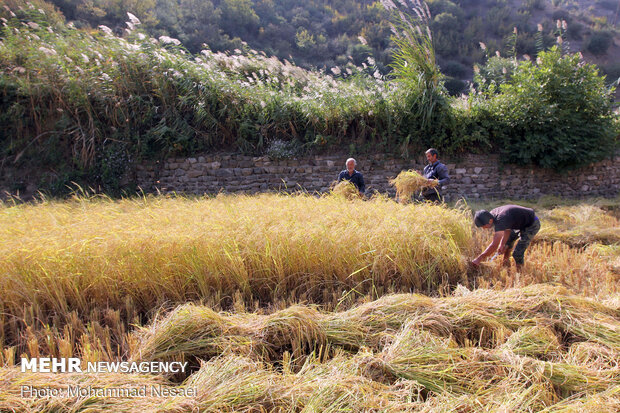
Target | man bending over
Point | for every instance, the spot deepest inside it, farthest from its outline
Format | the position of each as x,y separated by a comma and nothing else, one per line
510,222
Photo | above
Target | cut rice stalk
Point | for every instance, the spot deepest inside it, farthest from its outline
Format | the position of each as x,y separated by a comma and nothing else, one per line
409,182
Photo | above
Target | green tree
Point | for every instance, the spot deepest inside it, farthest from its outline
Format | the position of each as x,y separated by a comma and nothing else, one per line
304,40
238,17
599,43
558,113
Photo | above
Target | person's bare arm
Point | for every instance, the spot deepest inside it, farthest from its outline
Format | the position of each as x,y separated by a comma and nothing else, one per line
499,240
502,244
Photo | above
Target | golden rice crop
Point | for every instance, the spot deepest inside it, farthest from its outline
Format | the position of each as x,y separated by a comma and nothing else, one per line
409,182
579,225
81,254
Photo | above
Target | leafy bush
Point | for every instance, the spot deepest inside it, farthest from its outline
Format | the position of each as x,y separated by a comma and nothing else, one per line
574,30
558,113
497,71
455,86
65,94
599,43
612,71
424,103
455,69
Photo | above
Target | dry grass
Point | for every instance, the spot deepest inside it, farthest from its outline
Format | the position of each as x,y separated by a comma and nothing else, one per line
534,341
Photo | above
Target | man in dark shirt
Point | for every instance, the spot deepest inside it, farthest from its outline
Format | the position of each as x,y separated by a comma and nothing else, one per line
510,222
435,172
350,174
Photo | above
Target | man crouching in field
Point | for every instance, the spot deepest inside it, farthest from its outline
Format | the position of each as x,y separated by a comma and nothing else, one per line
510,222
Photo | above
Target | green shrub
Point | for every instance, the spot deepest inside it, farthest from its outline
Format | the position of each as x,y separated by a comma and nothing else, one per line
612,71
455,86
558,113
497,71
574,30
455,69
599,42
66,94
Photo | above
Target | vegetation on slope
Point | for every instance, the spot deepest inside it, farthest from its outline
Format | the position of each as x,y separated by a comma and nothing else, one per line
324,34
88,104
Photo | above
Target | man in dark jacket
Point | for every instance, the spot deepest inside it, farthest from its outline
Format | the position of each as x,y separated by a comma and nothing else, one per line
355,177
436,173
510,222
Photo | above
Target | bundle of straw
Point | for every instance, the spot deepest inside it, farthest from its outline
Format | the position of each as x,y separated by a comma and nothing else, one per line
409,182
533,341
345,189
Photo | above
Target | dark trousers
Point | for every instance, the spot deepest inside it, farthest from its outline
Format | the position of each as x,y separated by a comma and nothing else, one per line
433,196
525,238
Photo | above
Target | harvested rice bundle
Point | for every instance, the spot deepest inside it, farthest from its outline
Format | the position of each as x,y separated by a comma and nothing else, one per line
345,189
296,328
569,379
429,360
348,333
227,383
511,394
582,317
408,182
191,330
566,378
593,355
534,341
389,312
232,383
607,401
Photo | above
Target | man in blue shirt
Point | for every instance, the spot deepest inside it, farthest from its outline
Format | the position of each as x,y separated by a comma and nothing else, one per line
436,173
350,174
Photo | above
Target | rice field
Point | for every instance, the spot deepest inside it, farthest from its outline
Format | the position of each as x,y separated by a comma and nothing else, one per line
299,302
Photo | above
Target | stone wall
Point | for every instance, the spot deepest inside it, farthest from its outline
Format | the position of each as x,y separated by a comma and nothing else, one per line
472,176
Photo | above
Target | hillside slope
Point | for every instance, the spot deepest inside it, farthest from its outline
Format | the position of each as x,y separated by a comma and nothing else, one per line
324,34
